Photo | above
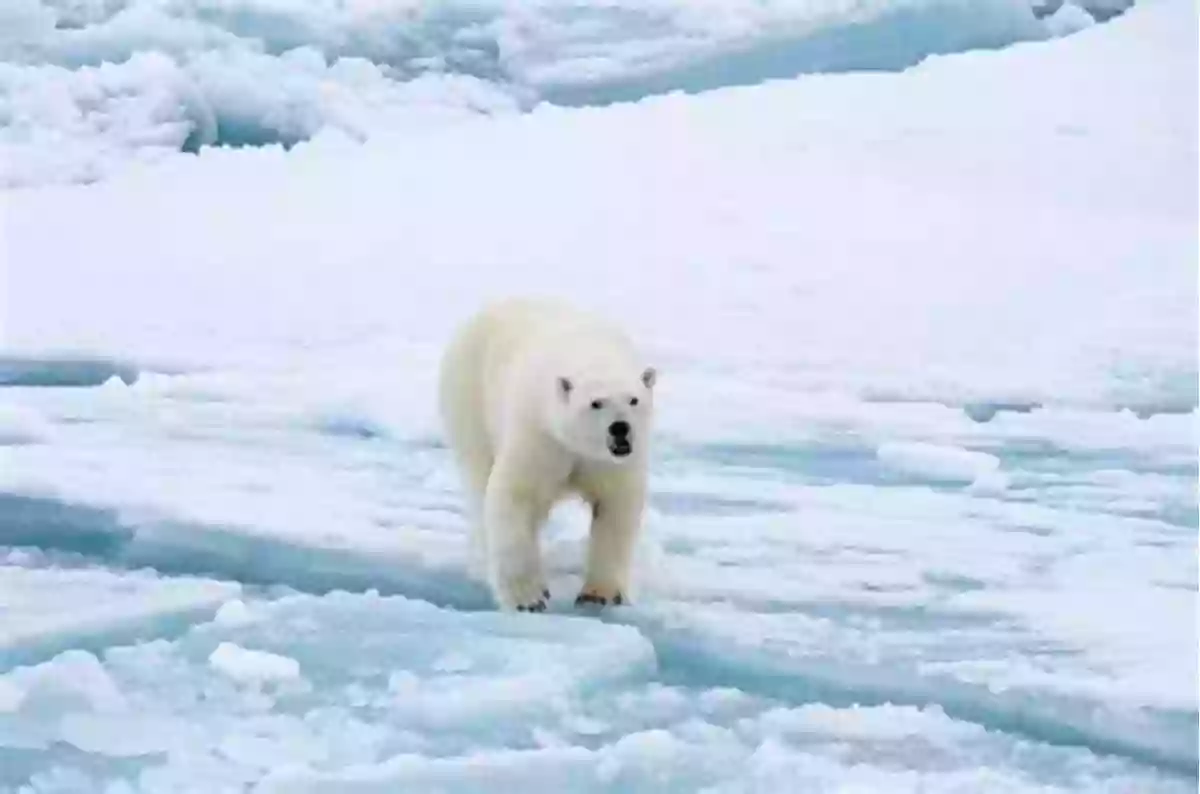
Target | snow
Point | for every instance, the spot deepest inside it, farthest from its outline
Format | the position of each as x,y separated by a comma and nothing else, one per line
923,509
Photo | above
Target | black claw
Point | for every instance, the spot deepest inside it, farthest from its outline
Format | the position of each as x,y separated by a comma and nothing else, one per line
592,599
537,606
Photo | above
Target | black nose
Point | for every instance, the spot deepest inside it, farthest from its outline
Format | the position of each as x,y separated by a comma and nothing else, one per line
619,429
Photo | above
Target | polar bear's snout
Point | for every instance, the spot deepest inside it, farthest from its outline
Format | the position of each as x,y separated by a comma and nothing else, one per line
619,442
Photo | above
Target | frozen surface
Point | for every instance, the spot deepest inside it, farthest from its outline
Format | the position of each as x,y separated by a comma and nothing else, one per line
45,608
923,510
416,698
86,88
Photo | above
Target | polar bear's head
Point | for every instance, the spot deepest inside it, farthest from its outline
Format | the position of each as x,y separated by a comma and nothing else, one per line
604,419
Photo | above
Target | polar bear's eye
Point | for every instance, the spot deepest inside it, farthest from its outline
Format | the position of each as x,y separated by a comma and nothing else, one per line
633,400
597,405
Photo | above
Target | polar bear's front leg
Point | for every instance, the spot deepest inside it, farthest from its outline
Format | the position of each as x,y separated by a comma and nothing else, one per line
511,518
615,524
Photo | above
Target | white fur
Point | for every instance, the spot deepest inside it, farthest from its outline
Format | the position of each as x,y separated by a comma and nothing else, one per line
516,390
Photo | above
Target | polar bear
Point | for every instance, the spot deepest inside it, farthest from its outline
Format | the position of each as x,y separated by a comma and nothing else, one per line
540,402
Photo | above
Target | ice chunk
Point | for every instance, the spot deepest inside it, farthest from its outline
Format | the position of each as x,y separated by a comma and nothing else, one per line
990,483
11,695
73,680
234,613
1104,9
45,610
938,461
1069,18
21,425
244,665
50,371
112,115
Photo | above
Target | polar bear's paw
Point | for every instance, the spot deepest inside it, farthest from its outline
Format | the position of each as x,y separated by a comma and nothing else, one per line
524,594
599,596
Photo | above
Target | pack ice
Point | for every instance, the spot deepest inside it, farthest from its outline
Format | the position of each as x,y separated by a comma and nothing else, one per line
923,513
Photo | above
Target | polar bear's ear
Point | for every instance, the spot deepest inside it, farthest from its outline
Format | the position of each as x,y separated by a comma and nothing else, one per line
650,377
564,387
